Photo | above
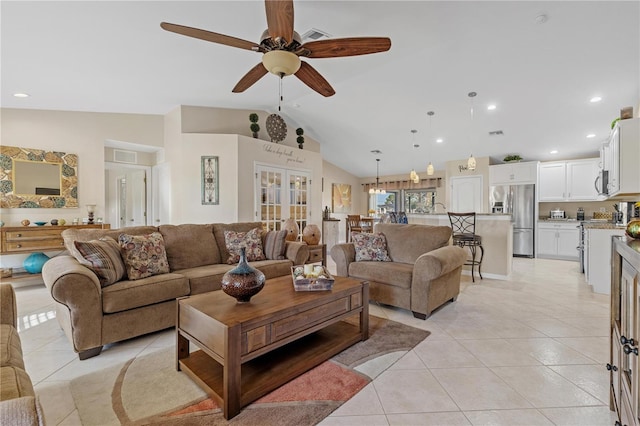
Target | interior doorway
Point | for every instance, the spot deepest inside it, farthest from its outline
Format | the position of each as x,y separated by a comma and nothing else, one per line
127,199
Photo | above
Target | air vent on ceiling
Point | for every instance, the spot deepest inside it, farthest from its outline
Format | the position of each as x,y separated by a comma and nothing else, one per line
315,34
496,133
121,156
376,151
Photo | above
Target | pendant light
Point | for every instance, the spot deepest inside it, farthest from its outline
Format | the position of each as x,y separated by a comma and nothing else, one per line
430,169
471,162
413,175
377,189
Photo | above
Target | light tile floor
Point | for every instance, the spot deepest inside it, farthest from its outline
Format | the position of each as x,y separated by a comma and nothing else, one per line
530,350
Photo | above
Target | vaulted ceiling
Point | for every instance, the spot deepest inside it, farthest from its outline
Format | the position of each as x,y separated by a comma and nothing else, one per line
538,62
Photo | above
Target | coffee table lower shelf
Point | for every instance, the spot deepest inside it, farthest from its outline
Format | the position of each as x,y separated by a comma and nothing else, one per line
267,372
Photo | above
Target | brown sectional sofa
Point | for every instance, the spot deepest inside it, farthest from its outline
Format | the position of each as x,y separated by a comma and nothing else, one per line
18,402
93,316
424,272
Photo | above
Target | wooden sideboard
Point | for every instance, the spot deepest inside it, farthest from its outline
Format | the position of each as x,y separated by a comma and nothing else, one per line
32,239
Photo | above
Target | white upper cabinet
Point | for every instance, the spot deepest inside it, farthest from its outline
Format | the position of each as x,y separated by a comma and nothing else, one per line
568,180
513,173
624,150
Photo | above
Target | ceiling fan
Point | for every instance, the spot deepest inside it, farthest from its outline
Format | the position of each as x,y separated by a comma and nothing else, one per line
282,48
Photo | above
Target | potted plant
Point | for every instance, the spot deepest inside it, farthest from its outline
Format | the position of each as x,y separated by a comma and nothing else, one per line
300,138
255,127
512,158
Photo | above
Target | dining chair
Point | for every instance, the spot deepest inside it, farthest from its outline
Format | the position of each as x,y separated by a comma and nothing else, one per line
353,225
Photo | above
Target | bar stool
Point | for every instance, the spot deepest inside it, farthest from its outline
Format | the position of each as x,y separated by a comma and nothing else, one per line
463,231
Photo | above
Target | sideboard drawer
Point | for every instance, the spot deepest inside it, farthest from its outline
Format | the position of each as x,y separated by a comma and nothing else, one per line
33,239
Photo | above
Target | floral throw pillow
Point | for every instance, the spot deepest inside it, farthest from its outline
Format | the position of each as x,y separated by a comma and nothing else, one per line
144,255
370,247
102,257
251,241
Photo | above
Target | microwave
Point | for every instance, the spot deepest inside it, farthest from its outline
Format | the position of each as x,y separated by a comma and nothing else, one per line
602,182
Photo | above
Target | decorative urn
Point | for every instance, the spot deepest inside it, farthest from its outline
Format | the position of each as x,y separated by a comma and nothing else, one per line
244,281
311,234
633,229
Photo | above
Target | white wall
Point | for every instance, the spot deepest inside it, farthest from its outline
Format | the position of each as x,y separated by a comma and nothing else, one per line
333,174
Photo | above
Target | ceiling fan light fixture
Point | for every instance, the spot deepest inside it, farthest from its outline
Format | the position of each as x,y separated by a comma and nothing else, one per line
281,62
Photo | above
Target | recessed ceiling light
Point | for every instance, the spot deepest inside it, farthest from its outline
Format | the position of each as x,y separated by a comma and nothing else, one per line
439,140
595,99
591,135
555,151
21,95
491,107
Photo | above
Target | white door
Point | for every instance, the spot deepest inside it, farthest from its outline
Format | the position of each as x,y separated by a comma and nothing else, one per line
161,182
466,194
282,194
133,193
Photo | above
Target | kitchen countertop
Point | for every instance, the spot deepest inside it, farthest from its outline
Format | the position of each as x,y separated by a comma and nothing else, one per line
603,225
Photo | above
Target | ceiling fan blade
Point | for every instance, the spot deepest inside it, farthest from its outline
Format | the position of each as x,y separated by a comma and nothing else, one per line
312,78
353,46
280,19
211,36
254,74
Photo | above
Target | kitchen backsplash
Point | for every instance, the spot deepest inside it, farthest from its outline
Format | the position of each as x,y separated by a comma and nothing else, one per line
572,208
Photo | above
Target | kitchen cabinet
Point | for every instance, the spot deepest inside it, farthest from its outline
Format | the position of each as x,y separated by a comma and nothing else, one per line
623,147
624,395
513,173
568,180
598,258
558,240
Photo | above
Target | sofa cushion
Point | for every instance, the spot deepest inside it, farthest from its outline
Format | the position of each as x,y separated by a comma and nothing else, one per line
190,245
407,242
10,346
72,234
371,247
251,241
275,244
144,255
205,278
218,232
128,294
14,383
392,273
102,257
273,268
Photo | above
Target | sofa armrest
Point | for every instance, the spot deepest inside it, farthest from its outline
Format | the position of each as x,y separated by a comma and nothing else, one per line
343,254
8,312
297,252
433,264
78,288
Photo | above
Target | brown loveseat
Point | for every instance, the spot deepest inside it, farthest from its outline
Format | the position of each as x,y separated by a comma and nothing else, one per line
424,271
93,316
18,402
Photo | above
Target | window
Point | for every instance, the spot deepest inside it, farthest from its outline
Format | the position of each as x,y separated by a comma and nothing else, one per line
384,203
419,201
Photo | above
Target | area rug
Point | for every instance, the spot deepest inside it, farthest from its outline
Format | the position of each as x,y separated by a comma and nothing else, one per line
149,390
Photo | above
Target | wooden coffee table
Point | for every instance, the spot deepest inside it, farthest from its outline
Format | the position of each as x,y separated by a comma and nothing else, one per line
247,350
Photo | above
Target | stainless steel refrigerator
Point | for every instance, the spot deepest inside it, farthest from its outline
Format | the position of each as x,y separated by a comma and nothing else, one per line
519,201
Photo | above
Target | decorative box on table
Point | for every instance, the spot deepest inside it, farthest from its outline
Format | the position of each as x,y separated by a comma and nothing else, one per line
311,278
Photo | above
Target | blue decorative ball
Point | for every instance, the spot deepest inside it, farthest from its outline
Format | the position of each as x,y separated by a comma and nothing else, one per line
34,263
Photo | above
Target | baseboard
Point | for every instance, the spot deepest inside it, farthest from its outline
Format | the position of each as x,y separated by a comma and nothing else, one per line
486,275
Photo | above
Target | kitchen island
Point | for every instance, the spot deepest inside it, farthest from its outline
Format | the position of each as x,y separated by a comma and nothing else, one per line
496,231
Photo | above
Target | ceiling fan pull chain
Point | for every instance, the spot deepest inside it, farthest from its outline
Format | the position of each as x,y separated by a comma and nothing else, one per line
280,93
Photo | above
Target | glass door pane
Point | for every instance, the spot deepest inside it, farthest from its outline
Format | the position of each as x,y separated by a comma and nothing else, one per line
282,194
270,198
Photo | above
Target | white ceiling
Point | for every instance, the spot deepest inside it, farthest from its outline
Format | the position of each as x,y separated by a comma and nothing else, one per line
114,57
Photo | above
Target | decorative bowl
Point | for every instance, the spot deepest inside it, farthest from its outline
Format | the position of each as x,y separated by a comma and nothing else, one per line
40,223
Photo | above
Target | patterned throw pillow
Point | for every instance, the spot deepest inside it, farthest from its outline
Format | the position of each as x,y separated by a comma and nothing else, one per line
275,244
102,257
144,255
250,240
370,247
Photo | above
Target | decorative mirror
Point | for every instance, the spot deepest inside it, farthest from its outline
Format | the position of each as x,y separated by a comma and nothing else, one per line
34,178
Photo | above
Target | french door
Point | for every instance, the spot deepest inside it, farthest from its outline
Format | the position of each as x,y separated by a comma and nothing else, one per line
282,194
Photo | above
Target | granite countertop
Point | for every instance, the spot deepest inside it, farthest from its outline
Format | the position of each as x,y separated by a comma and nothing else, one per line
603,225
